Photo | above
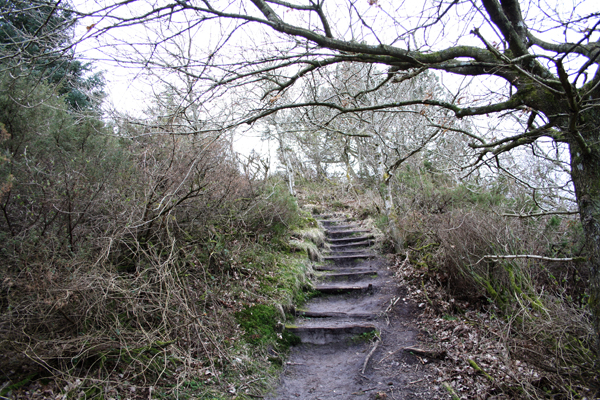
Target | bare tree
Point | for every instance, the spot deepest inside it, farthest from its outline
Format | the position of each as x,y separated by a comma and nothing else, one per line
369,144
540,64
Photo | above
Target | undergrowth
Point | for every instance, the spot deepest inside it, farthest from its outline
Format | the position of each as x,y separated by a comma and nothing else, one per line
462,239
531,314
124,278
193,319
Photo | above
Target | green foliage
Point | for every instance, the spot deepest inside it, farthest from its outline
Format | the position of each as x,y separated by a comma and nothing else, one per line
260,322
382,222
59,166
21,20
553,222
338,206
35,37
6,391
82,88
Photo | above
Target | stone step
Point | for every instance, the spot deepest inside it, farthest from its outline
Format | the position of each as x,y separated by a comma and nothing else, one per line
348,276
350,257
335,314
332,219
340,288
352,239
319,331
363,243
342,227
345,269
351,252
345,233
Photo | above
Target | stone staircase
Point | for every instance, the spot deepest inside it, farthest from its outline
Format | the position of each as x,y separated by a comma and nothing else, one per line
354,333
349,281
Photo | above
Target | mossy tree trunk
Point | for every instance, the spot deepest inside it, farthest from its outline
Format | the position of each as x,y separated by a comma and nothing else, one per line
585,171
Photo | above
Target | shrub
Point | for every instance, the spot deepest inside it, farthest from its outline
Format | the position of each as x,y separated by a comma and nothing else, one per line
126,260
449,228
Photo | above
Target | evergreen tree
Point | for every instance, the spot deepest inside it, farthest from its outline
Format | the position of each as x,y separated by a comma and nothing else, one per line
36,37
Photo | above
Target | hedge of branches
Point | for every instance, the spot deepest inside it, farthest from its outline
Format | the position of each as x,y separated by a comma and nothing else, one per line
117,251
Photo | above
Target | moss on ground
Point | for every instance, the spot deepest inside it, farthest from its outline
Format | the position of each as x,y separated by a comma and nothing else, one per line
263,325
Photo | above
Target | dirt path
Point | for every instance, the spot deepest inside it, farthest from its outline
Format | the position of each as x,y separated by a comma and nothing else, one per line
354,335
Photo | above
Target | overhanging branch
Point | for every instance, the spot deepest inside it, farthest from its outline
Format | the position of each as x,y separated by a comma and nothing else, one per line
459,112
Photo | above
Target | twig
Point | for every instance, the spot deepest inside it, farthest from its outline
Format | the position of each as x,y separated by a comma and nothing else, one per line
406,260
369,356
66,316
477,368
364,390
541,214
425,293
5,384
246,384
440,355
389,355
392,304
451,391
533,257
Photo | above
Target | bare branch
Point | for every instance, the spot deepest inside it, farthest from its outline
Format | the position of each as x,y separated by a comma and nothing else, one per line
541,214
532,257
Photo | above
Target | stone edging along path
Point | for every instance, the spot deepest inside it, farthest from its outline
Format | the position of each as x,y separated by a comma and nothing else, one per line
353,335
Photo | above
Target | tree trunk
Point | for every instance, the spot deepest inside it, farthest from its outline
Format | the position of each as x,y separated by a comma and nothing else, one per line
385,191
350,174
285,158
585,171
290,175
390,212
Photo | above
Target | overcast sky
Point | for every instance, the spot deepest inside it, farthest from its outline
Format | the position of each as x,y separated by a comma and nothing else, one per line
130,89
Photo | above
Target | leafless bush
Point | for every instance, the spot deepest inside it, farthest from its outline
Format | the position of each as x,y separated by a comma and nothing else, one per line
542,303
95,321
145,293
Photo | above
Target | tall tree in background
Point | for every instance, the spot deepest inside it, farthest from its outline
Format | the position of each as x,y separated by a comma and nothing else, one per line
55,156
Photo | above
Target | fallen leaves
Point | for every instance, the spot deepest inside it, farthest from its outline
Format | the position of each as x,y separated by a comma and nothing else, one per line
477,362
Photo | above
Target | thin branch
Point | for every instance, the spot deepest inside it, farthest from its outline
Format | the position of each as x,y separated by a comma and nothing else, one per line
390,170
319,10
464,132
364,367
587,50
532,257
541,214
459,112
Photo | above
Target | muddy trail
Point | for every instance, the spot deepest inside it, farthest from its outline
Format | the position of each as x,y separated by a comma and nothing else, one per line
355,334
